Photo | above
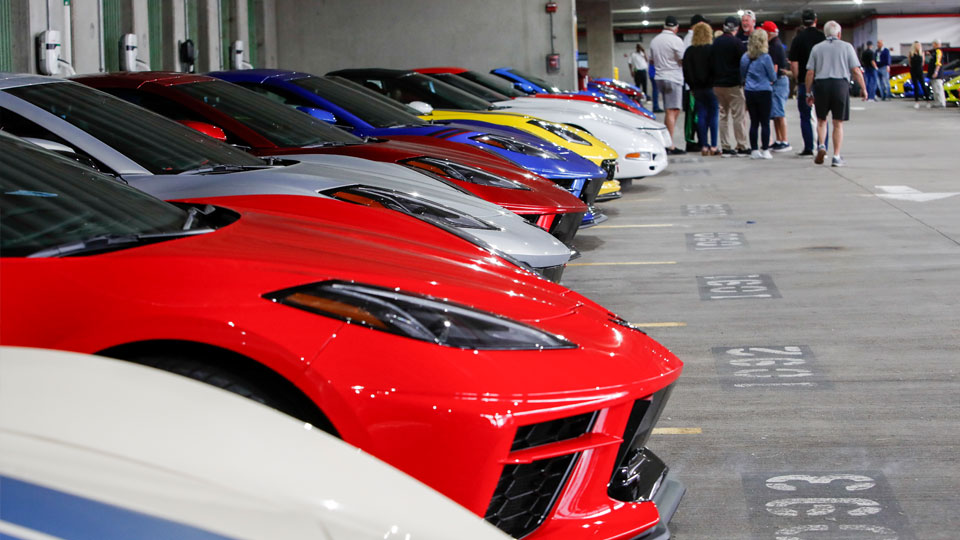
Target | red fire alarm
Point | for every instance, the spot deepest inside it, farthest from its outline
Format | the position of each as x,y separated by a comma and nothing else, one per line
551,7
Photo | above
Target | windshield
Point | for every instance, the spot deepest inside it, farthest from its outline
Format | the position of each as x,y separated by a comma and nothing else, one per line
492,82
417,87
470,87
280,124
373,112
550,88
375,95
47,200
157,144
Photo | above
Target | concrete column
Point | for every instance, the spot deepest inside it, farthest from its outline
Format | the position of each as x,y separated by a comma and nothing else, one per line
241,29
208,44
599,20
174,31
85,16
267,30
136,21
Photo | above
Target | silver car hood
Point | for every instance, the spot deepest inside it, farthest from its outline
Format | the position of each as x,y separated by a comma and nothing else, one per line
513,235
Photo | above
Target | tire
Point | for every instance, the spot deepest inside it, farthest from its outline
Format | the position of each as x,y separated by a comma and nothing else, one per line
266,388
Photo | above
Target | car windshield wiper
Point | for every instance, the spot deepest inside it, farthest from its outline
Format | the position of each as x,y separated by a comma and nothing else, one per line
214,169
107,242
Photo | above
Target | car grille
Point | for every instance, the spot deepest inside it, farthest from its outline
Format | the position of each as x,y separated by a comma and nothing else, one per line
526,492
609,165
638,472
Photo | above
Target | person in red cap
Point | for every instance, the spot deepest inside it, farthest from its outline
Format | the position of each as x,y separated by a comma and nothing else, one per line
781,88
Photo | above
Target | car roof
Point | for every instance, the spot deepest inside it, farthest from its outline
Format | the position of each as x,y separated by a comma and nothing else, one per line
133,79
374,72
13,80
448,69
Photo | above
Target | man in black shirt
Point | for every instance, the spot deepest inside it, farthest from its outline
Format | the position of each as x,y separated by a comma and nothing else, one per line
868,59
799,54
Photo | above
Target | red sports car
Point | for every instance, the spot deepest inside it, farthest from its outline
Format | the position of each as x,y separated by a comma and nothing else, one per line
268,128
519,399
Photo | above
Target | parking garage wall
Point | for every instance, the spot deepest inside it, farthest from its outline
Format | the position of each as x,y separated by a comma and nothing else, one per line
320,36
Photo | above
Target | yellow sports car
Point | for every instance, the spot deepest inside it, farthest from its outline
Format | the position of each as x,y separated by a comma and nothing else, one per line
896,83
952,88
569,137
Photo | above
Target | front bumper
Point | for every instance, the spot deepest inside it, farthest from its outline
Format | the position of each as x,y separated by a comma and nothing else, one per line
635,168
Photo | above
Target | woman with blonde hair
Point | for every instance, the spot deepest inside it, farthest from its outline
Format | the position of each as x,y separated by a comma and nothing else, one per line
758,75
696,73
916,73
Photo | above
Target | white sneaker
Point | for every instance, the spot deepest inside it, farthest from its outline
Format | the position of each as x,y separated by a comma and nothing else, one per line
765,154
916,105
756,154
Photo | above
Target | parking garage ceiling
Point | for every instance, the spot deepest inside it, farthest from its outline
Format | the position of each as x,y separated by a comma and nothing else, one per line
630,14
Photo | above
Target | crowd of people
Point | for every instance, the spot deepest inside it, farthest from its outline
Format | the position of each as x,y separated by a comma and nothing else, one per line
735,83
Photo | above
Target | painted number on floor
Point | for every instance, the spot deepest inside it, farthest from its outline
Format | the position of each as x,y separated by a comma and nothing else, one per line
712,241
768,366
734,287
698,210
824,506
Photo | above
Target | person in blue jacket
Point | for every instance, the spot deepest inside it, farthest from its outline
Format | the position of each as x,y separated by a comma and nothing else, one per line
758,75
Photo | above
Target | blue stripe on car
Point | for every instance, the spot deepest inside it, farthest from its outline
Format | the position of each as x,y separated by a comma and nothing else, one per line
72,517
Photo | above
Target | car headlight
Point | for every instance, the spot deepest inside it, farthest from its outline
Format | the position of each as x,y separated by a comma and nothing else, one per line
463,173
419,317
417,207
643,156
560,131
513,145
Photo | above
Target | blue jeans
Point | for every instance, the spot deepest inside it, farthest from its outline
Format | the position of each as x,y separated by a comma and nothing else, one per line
883,79
870,77
806,129
708,113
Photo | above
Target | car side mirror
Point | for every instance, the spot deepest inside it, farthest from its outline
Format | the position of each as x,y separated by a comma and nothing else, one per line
209,130
52,146
525,88
421,107
319,114
64,151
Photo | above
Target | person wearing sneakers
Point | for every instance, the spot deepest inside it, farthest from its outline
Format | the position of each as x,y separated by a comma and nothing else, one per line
800,48
758,74
725,72
831,64
666,52
781,88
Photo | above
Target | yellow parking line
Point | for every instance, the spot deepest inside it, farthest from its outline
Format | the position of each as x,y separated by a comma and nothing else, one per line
622,263
677,431
643,226
660,324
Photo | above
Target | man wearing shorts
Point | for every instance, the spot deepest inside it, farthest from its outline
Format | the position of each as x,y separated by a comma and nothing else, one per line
666,52
781,88
832,62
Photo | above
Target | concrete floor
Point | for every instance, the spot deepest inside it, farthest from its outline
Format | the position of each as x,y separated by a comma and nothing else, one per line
824,404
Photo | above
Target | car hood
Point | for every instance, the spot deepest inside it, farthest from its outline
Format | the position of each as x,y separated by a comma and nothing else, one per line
510,234
103,436
536,106
283,241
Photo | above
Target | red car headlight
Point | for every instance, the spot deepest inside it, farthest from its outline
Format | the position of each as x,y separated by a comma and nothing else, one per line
419,317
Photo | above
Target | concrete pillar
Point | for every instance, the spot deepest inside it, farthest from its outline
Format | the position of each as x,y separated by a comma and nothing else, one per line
208,44
85,16
267,30
174,31
599,20
136,21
